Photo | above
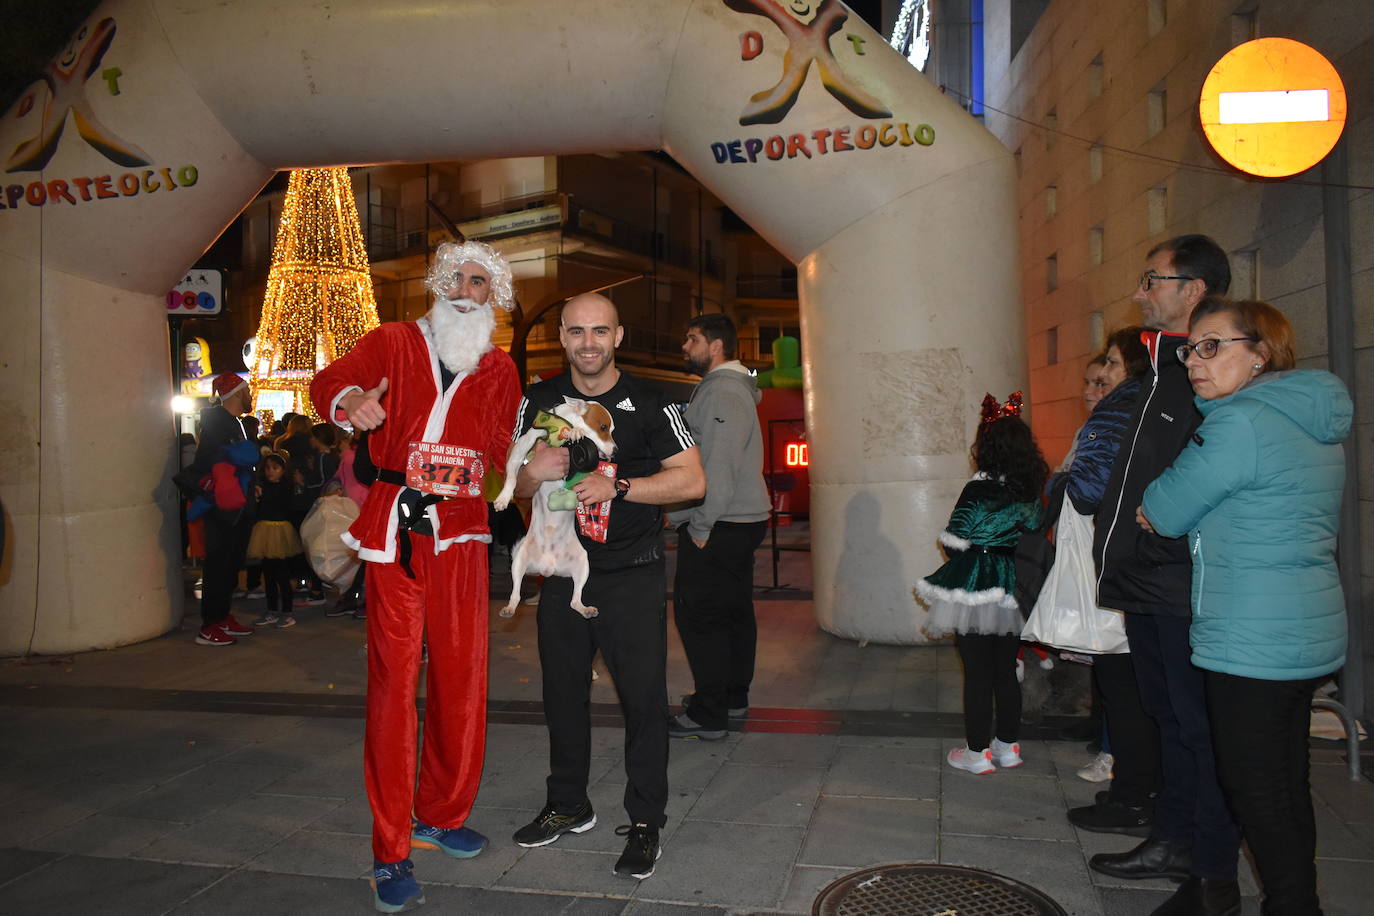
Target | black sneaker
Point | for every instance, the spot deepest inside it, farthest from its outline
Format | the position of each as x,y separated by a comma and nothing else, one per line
736,711
684,726
641,851
552,824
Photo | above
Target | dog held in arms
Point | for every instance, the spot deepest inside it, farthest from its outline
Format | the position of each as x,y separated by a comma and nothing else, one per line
551,547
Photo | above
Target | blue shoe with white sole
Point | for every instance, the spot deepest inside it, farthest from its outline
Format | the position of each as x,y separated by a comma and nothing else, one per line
459,842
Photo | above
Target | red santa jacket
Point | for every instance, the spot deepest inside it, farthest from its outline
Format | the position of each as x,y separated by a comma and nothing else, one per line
477,412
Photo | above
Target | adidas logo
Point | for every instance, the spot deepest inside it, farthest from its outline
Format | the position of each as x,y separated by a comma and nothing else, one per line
625,405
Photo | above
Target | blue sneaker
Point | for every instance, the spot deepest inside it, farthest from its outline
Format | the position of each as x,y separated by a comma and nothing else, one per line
394,887
459,842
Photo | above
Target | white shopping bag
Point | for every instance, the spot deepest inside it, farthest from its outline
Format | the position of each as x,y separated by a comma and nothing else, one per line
1066,615
333,560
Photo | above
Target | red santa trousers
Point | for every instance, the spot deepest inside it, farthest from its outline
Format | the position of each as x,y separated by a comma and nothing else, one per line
446,605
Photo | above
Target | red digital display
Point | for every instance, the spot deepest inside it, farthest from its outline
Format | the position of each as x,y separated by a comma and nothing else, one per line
796,455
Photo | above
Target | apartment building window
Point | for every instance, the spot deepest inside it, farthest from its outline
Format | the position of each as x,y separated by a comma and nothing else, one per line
1051,127
1095,246
1097,332
1245,23
1157,209
1156,16
1095,162
1155,110
1052,346
1095,72
1051,202
1052,273
1245,274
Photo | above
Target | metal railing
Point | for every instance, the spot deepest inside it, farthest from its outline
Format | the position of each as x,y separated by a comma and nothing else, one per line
766,286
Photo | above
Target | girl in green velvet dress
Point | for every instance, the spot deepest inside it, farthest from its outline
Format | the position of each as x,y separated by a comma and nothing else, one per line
973,594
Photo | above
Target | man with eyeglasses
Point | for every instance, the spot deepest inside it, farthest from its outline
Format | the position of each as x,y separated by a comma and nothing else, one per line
1191,834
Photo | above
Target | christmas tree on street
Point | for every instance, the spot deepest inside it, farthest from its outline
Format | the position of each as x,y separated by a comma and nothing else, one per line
319,299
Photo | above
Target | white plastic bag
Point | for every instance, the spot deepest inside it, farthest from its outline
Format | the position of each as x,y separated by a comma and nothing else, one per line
321,533
1066,614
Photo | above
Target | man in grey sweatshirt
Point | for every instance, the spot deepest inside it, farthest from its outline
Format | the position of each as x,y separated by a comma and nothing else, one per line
713,602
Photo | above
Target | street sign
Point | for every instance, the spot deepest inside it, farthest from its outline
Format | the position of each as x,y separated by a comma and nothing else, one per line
1273,107
200,294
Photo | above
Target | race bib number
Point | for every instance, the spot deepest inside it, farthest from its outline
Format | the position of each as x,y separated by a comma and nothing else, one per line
444,470
594,521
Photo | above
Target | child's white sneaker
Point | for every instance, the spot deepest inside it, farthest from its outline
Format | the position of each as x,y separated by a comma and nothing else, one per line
978,762
1006,755
1100,770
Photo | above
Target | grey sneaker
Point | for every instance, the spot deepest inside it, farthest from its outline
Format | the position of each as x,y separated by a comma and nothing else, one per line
553,823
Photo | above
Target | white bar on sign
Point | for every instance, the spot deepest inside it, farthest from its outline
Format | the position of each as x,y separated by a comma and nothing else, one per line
1274,107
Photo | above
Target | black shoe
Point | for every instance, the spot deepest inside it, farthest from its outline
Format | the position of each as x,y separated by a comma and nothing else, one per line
1111,816
342,607
553,823
1082,730
736,710
641,851
1202,897
684,726
1151,859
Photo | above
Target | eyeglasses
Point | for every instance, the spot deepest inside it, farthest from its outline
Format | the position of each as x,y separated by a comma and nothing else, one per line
1207,347
1149,277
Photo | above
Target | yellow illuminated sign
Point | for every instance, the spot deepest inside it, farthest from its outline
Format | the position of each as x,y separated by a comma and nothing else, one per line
1273,107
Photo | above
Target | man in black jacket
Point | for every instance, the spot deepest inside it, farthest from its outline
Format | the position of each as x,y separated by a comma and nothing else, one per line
226,538
1192,836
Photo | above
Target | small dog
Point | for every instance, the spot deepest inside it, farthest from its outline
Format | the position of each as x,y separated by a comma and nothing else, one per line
551,547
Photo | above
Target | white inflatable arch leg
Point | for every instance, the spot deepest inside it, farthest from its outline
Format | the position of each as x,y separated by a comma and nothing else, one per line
164,117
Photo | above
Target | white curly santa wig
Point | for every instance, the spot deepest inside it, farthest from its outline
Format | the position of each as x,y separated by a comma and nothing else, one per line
451,255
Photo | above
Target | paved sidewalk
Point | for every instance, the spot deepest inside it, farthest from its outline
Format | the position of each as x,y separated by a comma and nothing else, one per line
171,778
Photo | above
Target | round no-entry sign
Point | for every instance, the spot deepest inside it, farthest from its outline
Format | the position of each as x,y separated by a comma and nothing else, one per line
1273,107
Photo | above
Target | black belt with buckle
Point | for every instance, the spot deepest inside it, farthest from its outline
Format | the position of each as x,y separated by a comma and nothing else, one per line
410,510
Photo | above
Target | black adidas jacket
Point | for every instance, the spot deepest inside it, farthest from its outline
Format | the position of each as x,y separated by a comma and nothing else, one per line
1139,572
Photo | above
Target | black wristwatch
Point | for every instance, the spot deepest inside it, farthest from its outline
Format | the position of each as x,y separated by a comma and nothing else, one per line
622,488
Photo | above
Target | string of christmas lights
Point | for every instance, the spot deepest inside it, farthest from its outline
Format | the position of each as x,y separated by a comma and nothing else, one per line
319,300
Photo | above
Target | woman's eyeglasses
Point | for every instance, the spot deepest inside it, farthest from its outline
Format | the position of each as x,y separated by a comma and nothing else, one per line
1207,347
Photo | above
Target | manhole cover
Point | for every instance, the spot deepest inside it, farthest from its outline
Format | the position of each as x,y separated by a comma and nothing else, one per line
930,890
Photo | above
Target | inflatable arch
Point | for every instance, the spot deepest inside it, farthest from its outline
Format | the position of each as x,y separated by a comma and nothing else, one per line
163,118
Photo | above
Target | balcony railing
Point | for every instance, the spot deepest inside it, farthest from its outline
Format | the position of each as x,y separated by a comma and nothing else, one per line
766,286
639,240
386,243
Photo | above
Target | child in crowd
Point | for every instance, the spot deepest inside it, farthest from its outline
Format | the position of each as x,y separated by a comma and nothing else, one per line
973,594
274,539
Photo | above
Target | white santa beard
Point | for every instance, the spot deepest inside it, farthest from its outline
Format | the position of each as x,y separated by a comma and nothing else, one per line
461,338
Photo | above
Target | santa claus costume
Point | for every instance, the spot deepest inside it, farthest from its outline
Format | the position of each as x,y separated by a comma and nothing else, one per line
427,557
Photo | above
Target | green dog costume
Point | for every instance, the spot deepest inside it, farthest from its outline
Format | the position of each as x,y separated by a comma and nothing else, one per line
556,432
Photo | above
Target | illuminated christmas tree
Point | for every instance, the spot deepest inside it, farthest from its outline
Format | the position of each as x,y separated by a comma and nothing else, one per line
319,298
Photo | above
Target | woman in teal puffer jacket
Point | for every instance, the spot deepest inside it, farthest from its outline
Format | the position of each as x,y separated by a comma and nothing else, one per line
1258,493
